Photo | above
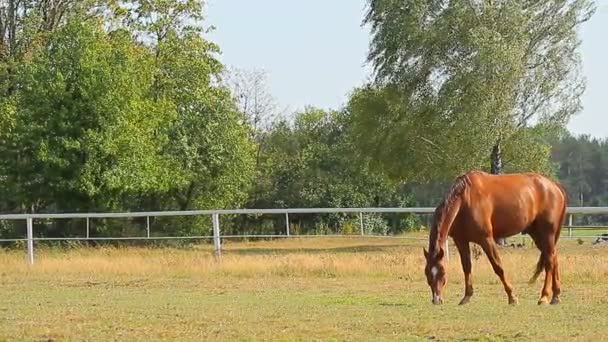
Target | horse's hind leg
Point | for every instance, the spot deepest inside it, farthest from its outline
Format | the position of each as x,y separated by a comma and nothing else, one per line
465,259
550,263
489,247
556,282
545,242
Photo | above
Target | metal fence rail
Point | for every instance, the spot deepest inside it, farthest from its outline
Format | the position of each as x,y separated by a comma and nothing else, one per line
30,239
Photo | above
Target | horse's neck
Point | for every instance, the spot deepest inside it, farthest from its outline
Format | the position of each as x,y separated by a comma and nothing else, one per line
437,238
447,215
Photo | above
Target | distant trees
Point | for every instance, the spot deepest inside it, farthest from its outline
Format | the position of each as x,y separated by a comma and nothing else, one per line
312,163
582,166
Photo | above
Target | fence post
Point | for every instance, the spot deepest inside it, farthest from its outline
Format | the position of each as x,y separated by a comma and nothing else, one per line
361,223
88,229
570,225
30,241
287,223
216,235
148,226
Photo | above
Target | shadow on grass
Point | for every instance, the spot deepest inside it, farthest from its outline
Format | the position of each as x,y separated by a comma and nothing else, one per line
396,304
299,250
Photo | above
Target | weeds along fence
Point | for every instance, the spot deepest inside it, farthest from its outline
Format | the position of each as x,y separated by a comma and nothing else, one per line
217,237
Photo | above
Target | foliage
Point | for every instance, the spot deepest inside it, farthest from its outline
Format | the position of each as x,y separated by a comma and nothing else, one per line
456,80
209,139
312,163
581,164
96,120
83,131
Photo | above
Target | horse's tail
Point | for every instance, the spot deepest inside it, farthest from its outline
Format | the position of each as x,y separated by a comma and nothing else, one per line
564,208
543,259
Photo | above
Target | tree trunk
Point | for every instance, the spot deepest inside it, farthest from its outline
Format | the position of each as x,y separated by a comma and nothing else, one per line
495,169
496,159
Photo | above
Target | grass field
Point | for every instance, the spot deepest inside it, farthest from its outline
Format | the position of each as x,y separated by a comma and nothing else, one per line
589,231
300,289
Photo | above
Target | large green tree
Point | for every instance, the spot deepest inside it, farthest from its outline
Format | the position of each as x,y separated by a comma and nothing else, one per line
82,132
463,84
118,105
209,142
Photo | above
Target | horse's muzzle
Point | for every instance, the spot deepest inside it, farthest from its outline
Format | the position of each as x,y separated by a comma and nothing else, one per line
437,300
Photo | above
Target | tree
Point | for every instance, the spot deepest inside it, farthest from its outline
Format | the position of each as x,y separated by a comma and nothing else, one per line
24,26
82,133
257,106
213,155
250,91
21,19
459,84
119,107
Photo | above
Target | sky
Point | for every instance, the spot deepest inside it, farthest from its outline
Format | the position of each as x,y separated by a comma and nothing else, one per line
314,52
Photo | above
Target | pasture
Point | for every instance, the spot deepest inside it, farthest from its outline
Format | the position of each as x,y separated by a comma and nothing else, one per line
297,289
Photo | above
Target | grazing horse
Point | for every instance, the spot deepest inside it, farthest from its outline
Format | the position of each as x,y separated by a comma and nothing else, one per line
480,208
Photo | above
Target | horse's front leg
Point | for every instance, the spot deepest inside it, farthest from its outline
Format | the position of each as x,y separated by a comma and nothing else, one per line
465,259
489,247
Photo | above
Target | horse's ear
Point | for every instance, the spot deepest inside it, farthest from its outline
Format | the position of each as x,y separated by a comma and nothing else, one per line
426,254
440,254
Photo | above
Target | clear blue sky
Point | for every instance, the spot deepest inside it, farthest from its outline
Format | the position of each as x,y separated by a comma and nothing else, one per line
314,52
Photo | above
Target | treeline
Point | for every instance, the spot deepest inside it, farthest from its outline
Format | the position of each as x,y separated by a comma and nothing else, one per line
114,106
581,164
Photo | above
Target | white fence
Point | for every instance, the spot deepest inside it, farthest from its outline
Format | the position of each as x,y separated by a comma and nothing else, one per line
30,239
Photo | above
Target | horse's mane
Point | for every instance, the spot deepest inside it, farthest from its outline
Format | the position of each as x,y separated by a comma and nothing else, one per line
461,183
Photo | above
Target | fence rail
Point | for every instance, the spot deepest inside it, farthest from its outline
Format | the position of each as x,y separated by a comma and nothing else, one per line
415,210
30,239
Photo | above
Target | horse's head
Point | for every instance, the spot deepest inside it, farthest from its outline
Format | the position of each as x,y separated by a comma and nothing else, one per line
435,274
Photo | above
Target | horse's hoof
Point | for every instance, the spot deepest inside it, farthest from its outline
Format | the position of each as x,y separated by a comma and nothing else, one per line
513,301
465,300
555,300
543,300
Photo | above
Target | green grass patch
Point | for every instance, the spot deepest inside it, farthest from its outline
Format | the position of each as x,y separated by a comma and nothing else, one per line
292,290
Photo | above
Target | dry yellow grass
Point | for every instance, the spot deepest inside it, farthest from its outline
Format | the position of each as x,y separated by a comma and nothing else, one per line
296,258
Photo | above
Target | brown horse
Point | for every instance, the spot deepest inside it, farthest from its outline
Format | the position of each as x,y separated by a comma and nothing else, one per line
480,208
